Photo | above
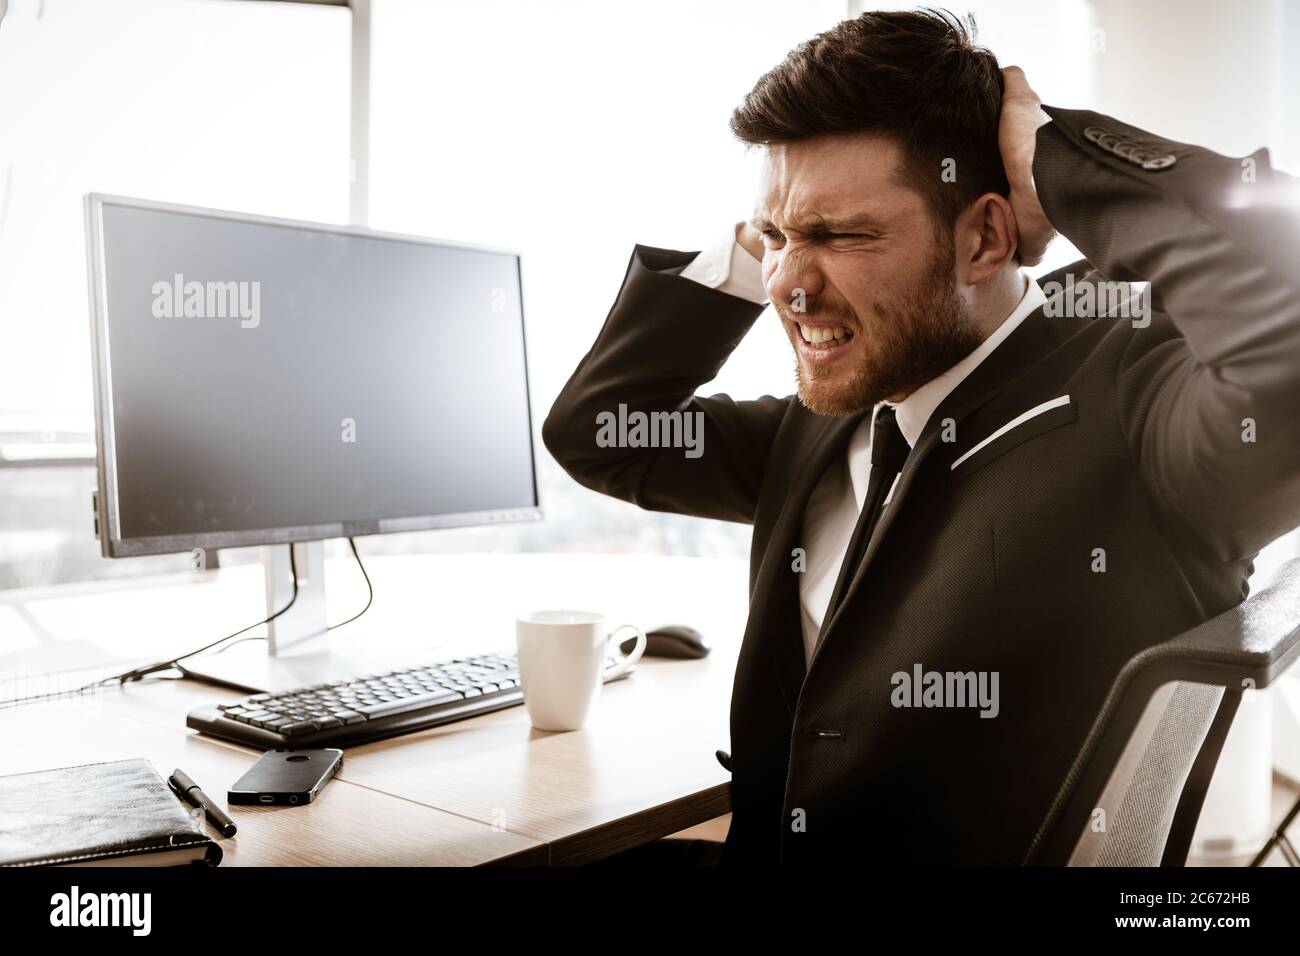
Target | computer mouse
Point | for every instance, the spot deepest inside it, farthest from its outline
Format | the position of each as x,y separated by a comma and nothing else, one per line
674,640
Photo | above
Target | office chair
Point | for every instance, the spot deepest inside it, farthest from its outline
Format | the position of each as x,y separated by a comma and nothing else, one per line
1134,792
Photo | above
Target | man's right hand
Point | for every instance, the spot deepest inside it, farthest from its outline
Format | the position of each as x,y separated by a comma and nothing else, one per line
750,239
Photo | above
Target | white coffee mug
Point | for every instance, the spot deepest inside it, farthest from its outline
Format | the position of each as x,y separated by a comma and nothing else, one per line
562,664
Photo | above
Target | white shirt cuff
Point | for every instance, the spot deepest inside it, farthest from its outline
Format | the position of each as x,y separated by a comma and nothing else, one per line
727,267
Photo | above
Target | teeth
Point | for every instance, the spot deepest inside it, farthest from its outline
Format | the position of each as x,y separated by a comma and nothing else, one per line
819,334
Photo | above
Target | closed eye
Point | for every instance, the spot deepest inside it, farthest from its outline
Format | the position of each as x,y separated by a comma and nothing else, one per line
833,236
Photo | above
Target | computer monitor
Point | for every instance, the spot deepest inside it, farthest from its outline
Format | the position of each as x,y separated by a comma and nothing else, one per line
263,381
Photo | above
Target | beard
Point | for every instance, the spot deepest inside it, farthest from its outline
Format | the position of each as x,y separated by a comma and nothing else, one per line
904,342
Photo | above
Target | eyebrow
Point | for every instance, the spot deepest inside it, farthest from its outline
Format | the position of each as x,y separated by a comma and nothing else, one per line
856,222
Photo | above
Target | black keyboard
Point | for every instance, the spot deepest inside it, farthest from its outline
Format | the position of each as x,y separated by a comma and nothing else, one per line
349,712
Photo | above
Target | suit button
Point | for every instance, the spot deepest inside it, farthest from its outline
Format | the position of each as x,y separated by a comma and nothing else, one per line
1093,133
1160,162
1109,141
1125,150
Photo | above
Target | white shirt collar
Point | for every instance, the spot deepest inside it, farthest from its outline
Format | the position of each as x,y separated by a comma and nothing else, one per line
915,410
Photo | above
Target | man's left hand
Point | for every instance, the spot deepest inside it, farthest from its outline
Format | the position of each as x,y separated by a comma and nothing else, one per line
1022,114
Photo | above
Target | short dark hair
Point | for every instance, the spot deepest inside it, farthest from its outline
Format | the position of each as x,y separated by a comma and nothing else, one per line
916,76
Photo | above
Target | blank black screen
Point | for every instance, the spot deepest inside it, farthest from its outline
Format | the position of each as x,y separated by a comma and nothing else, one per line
413,351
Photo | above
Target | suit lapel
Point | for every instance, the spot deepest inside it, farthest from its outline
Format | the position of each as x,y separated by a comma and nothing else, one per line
1020,352
826,439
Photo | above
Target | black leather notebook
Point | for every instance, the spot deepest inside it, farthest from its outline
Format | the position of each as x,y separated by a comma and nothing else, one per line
120,813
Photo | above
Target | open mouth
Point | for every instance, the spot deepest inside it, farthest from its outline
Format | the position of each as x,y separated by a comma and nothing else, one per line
824,336
822,343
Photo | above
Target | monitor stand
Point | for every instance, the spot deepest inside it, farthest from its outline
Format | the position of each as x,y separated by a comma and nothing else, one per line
297,651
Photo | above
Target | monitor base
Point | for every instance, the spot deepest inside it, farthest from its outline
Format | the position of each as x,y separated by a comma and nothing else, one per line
248,667
299,649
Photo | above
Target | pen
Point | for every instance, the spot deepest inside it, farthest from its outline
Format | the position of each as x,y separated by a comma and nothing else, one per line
189,791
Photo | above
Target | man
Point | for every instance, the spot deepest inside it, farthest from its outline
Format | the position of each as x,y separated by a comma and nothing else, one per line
917,676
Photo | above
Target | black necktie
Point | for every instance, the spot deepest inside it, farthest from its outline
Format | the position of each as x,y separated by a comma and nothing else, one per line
888,453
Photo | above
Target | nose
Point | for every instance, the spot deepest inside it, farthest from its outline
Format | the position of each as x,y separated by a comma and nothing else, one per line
795,279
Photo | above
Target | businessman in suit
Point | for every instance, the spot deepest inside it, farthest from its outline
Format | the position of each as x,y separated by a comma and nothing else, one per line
985,497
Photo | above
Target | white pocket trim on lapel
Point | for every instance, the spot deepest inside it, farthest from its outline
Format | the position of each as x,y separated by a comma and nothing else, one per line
1014,423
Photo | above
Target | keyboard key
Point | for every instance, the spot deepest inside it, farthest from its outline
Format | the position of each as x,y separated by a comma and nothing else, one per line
302,727
407,704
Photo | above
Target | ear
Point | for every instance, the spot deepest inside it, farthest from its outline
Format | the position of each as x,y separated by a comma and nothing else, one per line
985,237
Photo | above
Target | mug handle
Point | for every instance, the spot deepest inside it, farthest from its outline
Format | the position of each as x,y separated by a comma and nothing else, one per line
628,660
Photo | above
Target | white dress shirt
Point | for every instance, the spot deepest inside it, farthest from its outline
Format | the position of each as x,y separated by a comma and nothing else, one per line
836,502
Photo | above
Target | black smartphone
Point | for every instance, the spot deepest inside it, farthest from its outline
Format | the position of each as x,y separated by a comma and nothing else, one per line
283,777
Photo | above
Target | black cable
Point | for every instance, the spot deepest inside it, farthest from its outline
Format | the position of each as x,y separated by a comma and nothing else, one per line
370,599
370,588
147,669
229,640
293,574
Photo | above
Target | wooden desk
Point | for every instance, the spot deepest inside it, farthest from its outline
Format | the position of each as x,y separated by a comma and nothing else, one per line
486,790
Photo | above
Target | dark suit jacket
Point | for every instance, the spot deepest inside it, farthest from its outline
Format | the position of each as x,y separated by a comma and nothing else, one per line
992,565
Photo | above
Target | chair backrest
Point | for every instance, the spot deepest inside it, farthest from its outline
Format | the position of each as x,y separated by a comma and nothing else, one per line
1135,812
1135,790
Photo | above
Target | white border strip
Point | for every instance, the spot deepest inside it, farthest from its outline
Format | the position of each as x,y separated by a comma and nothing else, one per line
1014,423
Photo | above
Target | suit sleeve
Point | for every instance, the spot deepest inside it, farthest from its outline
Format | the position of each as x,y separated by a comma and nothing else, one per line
664,337
1211,407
